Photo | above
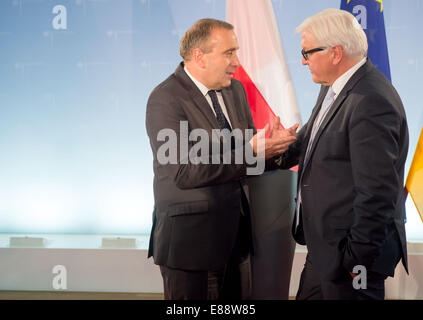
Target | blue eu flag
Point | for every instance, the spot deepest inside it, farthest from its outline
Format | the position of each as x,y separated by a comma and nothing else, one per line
369,14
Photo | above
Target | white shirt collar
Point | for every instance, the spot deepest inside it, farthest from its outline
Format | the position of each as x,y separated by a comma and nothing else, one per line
204,90
340,83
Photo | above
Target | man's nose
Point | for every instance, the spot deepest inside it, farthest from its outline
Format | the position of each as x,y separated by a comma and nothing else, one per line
304,61
235,61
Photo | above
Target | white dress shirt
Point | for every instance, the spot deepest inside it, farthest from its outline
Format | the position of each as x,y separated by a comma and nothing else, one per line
340,83
204,90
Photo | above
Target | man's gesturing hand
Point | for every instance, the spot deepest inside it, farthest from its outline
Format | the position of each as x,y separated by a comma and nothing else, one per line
278,141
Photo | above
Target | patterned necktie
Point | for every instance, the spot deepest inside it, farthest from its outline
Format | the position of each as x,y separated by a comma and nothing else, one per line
327,102
221,119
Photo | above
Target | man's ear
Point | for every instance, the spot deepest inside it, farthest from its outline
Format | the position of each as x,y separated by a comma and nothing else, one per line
198,57
337,54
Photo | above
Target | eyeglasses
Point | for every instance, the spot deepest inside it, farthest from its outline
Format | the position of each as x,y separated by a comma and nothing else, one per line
306,53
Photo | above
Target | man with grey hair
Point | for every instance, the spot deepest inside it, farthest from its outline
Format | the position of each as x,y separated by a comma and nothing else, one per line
201,235
351,155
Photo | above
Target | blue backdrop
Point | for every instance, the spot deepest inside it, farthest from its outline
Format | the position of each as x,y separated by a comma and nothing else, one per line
74,81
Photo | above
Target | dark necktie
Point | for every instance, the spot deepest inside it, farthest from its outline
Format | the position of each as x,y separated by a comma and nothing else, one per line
221,119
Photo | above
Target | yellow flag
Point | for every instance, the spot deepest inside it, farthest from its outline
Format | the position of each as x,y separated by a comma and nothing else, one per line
414,182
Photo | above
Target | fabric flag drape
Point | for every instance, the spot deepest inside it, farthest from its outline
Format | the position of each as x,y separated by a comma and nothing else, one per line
263,72
414,183
265,77
369,14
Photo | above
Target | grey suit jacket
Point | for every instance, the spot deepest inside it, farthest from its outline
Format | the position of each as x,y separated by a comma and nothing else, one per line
352,184
197,206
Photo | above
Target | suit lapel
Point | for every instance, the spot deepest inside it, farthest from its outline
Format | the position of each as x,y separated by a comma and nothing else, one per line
196,95
202,103
333,109
316,109
228,97
204,106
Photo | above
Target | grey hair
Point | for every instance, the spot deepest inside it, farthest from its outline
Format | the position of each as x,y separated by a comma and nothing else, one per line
333,27
198,34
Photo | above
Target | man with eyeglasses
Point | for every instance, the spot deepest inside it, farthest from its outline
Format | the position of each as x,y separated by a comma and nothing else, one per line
351,155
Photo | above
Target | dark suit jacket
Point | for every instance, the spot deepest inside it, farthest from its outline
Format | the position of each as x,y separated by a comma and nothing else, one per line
352,185
197,207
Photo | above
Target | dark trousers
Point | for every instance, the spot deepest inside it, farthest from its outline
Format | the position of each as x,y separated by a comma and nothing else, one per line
231,282
313,287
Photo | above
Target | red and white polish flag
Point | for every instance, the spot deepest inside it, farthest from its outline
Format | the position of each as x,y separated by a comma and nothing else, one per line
263,71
